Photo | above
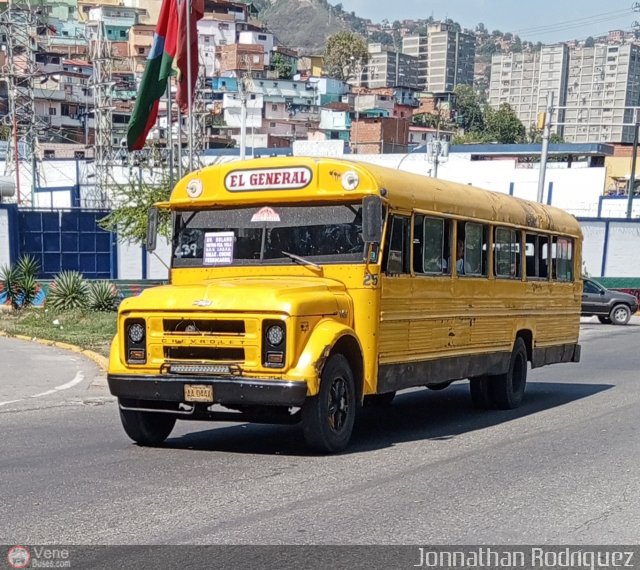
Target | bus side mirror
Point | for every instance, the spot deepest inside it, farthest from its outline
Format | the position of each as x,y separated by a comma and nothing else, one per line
152,229
372,219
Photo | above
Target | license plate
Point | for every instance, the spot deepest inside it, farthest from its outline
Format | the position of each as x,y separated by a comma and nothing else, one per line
198,393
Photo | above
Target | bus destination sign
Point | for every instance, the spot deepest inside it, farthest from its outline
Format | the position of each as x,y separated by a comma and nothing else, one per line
289,178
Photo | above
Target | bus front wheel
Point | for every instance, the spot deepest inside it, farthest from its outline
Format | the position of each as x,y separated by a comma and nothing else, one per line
147,428
328,417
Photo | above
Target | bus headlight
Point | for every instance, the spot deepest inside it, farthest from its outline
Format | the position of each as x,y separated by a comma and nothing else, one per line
274,344
136,341
136,333
275,335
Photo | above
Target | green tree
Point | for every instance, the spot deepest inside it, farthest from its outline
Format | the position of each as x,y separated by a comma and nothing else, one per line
133,200
503,125
469,109
281,66
344,53
589,42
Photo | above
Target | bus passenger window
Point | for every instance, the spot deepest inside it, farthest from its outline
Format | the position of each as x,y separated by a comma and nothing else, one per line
564,259
431,247
507,253
472,249
536,256
397,251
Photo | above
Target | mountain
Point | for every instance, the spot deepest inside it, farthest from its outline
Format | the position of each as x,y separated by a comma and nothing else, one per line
305,24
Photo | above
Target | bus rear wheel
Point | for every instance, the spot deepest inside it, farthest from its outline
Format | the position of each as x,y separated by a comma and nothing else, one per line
507,390
147,428
480,394
328,417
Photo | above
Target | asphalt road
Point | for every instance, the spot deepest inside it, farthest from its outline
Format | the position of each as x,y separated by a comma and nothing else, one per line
561,469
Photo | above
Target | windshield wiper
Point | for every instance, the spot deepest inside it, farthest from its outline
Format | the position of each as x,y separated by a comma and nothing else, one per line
302,260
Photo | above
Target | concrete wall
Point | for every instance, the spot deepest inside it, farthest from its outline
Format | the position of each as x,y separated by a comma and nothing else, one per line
610,248
578,190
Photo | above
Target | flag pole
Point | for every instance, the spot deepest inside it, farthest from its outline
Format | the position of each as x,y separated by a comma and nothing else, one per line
170,131
179,143
189,88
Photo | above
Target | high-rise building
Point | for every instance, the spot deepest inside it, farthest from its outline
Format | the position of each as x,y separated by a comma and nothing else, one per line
451,57
602,90
596,89
523,80
388,68
418,47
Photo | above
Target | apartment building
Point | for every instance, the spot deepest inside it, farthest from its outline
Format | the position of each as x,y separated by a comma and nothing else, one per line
595,89
388,68
418,47
451,56
523,80
603,88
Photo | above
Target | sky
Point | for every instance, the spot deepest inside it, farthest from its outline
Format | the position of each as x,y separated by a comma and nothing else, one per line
547,21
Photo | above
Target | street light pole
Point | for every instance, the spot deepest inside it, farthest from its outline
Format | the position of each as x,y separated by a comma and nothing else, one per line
632,176
545,147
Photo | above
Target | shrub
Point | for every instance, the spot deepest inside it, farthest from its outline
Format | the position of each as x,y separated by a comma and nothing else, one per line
10,279
20,282
103,296
69,290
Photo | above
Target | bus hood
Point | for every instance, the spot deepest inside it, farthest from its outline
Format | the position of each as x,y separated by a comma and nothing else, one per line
295,296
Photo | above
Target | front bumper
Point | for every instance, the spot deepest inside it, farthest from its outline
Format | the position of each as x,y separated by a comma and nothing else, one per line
226,391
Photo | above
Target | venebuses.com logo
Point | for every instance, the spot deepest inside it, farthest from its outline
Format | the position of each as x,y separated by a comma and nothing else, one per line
18,557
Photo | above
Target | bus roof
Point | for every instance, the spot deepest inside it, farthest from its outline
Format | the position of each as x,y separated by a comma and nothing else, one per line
291,180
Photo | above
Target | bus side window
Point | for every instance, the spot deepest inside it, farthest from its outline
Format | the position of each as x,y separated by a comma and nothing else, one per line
564,259
431,245
507,253
397,251
476,238
543,245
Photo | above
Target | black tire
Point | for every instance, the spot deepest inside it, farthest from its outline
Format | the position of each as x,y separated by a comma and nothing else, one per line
379,400
328,417
480,395
440,386
147,428
620,315
507,390
605,320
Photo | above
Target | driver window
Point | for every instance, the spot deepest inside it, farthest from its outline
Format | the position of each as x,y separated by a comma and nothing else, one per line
397,246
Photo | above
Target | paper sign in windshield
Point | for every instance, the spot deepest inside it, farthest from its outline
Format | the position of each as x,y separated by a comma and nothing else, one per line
265,214
218,248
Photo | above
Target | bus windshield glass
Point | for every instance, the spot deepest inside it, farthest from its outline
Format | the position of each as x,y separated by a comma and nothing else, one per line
259,235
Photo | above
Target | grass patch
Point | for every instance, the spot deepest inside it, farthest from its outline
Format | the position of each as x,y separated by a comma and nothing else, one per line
88,329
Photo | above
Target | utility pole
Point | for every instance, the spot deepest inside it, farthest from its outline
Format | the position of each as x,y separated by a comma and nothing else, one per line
19,30
103,114
545,147
632,176
243,119
189,89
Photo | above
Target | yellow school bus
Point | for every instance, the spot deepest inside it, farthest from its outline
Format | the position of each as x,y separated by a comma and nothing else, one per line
303,288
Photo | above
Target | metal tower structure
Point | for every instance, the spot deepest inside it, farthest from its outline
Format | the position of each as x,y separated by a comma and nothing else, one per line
104,153
200,135
19,29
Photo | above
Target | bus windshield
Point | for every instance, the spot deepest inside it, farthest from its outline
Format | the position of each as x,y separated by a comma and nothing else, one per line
267,234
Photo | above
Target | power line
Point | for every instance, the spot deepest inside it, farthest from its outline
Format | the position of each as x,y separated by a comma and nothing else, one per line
575,21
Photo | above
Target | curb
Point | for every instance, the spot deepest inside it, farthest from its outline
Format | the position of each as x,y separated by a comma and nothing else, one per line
101,361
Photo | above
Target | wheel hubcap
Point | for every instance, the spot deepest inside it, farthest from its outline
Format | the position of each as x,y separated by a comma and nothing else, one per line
620,315
338,404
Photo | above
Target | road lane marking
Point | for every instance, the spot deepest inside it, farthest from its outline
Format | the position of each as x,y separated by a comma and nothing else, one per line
79,377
